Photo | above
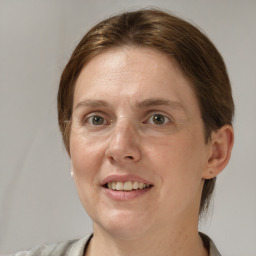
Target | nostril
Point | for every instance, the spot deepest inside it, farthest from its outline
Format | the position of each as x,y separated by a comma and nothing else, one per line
130,157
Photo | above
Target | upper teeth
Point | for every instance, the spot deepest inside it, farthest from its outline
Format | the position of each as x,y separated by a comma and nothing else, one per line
127,185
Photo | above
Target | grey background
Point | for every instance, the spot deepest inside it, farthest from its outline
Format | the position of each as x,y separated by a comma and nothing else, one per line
38,201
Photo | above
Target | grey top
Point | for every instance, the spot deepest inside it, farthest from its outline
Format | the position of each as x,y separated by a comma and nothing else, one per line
213,250
77,248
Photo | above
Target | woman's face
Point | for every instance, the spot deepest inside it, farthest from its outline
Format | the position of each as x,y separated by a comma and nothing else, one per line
137,143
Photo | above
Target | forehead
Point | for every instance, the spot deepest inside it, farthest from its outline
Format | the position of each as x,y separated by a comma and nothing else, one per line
128,57
133,73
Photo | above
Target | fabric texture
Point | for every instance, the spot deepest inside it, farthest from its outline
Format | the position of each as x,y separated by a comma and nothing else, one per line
78,247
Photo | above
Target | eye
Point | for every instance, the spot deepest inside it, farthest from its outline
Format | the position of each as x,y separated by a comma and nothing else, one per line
158,119
96,120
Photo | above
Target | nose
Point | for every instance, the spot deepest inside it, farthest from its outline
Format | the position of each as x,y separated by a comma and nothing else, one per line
123,146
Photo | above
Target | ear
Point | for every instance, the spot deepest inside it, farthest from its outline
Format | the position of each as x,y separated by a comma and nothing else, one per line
219,151
72,171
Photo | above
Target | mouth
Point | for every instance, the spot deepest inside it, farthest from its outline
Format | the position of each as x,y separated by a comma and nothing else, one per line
126,186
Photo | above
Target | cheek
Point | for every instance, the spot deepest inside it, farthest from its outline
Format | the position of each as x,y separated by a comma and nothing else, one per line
86,161
85,155
179,161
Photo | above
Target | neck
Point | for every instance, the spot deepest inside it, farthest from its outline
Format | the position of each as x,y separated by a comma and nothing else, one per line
181,241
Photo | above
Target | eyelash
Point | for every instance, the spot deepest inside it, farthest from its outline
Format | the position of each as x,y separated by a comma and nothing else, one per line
96,116
166,119
105,122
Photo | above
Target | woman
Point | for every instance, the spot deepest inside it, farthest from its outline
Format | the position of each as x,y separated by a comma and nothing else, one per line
145,109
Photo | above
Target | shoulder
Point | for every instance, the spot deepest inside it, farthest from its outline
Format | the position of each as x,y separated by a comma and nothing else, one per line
72,247
213,249
209,244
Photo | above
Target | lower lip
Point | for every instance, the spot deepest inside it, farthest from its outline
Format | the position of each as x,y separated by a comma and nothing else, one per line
125,195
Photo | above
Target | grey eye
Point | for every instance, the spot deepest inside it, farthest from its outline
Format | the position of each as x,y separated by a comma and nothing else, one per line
96,120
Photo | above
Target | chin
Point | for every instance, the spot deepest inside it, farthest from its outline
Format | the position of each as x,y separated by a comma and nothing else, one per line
123,224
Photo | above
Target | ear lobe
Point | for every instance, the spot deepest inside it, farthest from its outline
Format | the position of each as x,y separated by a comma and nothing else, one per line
72,171
220,151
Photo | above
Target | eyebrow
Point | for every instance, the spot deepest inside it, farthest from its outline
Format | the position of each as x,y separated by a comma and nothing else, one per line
159,102
142,104
92,103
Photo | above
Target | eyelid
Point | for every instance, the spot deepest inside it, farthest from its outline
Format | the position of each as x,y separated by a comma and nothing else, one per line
166,121
109,120
93,114
91,117
152,113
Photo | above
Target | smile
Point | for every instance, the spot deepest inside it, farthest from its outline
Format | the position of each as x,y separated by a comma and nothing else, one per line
126,186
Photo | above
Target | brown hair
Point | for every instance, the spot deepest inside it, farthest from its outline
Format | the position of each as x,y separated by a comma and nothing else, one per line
195,54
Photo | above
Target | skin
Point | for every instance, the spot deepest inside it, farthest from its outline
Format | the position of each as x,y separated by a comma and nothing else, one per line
127,88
